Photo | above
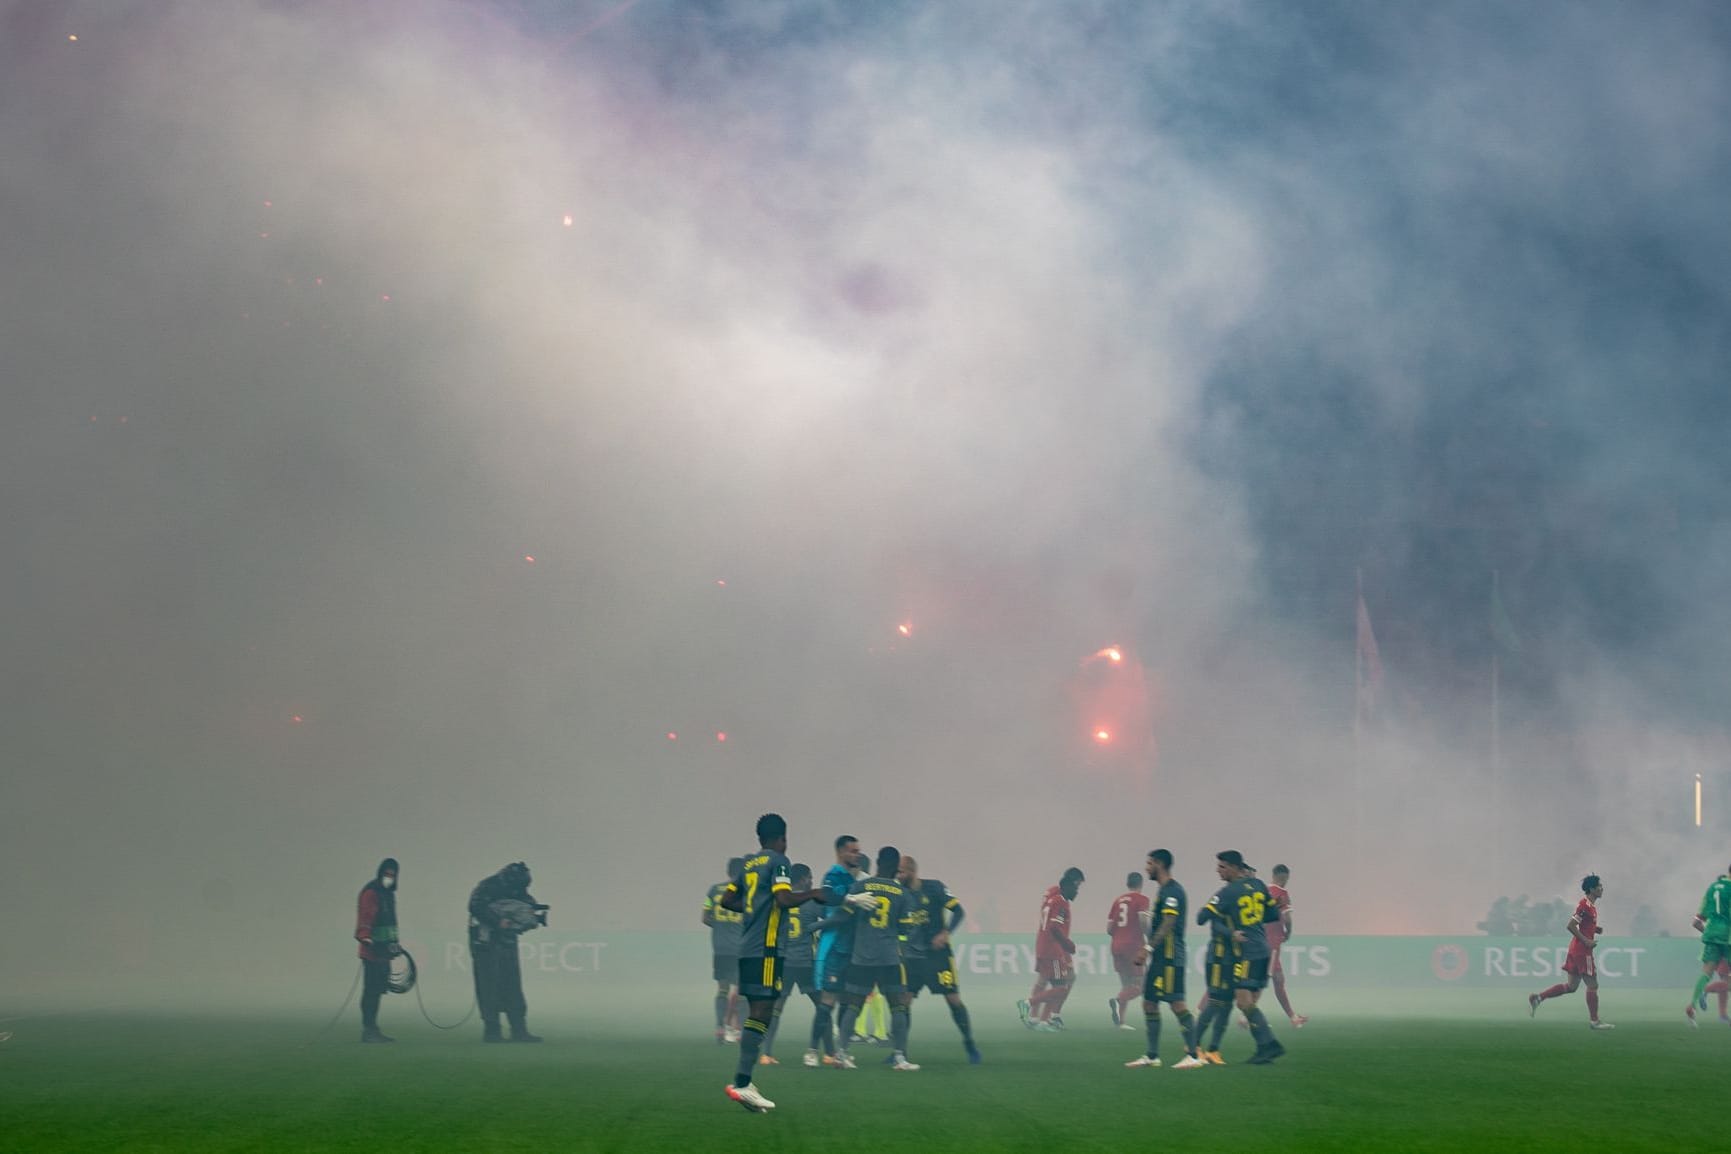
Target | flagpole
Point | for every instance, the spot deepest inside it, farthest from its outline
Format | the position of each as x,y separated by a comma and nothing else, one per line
1496,735
1358,718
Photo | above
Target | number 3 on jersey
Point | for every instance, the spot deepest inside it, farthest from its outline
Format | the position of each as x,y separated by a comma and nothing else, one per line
881,919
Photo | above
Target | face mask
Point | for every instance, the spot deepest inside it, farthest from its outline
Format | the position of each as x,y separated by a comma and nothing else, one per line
388,883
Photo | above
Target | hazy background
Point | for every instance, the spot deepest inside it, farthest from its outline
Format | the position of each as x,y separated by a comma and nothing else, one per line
415,413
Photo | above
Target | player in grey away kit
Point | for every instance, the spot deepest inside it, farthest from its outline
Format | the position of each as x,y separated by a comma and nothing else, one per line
724,925
931,963
1248,907
879,905
1163,962
796,954
763,894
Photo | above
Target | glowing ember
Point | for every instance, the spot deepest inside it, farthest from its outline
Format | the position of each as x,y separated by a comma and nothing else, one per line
905,630
296,719
1102,736
721,736
529,558
672,736
568,220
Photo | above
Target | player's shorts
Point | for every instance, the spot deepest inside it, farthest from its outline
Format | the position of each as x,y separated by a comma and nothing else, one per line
760,978
1128,965
1058,971
861,980
1580,962
799,978
1164,980
935,972
1250,974
726,968
1219,973
1712,953
832,971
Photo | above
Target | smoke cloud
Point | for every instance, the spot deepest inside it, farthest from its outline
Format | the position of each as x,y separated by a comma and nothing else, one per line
432,427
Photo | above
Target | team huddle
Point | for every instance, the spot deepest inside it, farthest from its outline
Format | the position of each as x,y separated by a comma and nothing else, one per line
884,933
887,933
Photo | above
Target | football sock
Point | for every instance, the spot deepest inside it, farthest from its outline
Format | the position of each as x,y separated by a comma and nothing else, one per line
960,1014
1059,996
774,1027
1593,1005
733,1013
1280,992
1259,1028
1151,1018
900,1022
1555,991
721,1011
1700,988
750,1045
1222,1019
849,1016
1199,1027
823,1029
1187,1028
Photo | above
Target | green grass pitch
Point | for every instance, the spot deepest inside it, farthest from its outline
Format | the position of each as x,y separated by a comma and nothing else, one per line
1468,1071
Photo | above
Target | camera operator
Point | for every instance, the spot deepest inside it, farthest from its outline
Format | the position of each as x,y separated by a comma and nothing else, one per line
500,908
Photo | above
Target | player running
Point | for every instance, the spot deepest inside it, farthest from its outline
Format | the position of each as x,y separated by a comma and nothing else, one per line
933,917
1279,933
834,950
761,893
1163,960
878,906
1053,949
1127,922
724,926
1713,921
798,957
1247,908
1584,928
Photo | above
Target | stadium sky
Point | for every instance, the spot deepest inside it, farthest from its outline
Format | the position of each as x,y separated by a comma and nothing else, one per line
417,412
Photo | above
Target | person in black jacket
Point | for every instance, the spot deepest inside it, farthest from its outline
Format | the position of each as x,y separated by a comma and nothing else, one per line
501,908
376,931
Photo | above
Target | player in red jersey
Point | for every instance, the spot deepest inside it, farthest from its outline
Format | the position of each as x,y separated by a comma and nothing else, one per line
1055,973
1127,922
1278,932
1584,928
1721,985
